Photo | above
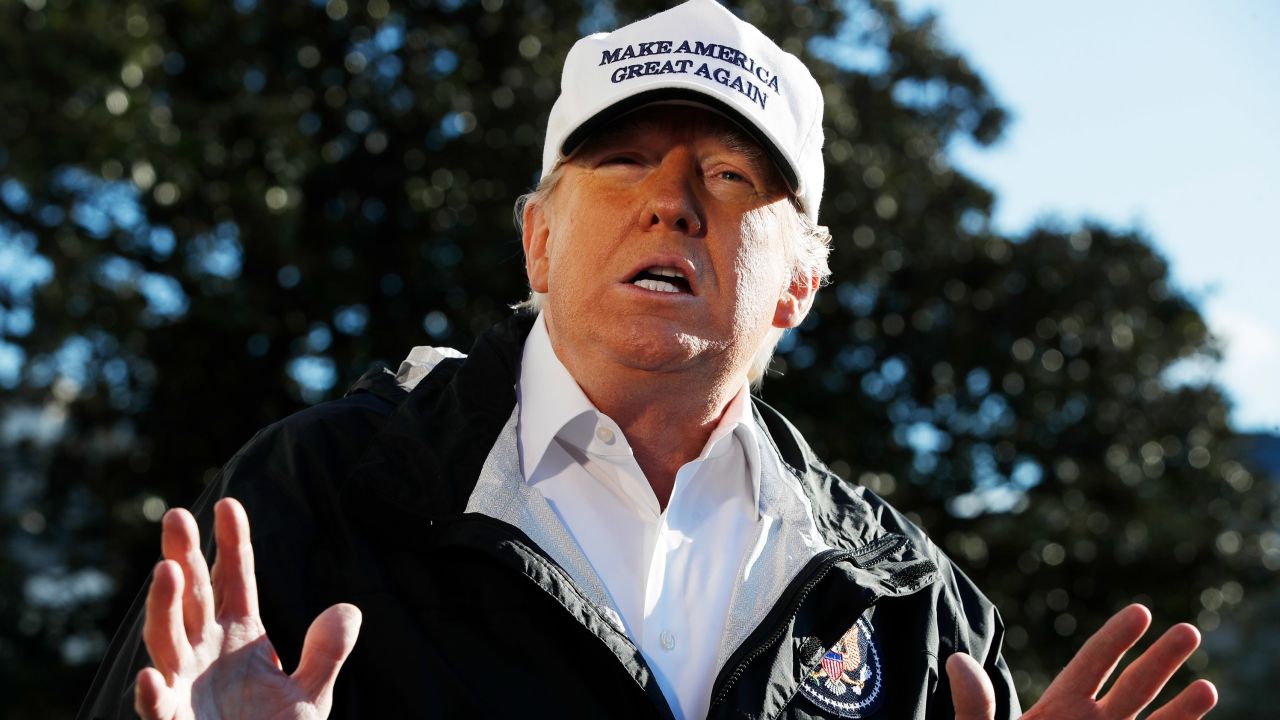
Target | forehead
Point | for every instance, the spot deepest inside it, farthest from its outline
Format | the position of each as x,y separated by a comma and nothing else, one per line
683,121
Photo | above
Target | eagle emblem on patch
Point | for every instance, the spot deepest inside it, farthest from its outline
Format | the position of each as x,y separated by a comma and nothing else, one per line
848,681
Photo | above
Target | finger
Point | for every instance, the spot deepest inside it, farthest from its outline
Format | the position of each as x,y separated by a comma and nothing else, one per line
152,698
1097,658
1139,684
163,631
972,695
235,590
181,543
1192,703
329,641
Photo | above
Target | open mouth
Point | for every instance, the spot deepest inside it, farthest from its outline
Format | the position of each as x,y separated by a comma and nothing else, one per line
662,279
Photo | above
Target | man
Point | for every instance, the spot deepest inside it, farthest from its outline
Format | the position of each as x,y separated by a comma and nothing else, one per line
589,515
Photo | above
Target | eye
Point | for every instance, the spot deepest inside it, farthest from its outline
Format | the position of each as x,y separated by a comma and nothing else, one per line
732,175
619,160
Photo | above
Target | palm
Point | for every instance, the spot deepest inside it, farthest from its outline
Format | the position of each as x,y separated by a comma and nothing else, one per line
237,673
211,652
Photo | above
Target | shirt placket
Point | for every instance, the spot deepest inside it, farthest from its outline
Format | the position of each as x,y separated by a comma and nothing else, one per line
662,627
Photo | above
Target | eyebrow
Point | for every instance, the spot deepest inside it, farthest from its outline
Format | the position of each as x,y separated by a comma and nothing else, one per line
726,132
738,142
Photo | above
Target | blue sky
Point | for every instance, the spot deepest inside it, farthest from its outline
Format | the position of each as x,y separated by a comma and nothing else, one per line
1159,116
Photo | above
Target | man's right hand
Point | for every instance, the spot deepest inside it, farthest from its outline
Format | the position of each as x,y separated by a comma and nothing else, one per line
1074,694
211,653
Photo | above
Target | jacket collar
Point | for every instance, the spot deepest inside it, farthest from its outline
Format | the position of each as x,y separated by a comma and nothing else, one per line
423,464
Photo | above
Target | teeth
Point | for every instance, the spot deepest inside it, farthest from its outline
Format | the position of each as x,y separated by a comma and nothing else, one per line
657,285
666,272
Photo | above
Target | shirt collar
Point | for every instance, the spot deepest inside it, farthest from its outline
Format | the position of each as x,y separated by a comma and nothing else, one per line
738,420
553,405
549,397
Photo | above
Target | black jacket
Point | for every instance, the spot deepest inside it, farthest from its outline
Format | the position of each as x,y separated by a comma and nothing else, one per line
361,500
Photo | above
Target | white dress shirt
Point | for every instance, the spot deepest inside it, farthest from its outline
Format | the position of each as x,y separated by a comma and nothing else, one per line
671,574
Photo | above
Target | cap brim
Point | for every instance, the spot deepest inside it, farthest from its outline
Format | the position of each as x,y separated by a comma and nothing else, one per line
659,96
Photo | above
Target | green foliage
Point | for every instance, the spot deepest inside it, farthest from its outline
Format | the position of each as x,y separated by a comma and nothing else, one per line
213,214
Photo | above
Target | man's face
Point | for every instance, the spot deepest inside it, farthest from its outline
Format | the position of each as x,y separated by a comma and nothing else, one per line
662,246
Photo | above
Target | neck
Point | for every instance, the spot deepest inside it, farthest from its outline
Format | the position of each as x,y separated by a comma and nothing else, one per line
667,417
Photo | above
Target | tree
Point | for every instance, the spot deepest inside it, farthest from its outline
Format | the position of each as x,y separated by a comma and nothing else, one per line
214,214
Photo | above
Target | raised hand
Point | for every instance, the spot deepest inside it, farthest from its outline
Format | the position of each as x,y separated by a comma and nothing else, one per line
211,653
1073,695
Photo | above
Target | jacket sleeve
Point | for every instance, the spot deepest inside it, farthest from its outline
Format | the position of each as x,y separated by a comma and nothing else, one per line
979,631
1007,704
960,617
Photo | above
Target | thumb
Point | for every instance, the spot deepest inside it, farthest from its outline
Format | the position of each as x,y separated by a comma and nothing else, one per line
971,693
329,641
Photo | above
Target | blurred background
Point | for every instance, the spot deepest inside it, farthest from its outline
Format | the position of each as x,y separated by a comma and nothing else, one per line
1050,335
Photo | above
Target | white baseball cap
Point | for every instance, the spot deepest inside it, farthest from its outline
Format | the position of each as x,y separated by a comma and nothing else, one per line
695,53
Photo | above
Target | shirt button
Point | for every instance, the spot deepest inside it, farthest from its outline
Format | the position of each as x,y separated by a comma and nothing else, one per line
604,434
668,640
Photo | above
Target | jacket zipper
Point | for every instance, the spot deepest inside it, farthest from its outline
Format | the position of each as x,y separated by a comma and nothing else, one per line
873,551
793,609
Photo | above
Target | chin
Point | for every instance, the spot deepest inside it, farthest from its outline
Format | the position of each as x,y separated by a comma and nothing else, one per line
654,344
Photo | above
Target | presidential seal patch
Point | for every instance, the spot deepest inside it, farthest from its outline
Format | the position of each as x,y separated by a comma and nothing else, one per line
848,681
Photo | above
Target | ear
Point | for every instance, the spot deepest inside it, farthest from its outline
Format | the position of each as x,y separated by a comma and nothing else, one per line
536,233
795,302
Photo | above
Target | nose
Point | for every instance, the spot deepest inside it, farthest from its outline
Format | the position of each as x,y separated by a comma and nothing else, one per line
671,202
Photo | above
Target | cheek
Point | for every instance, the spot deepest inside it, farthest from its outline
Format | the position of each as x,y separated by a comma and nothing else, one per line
564,255
759,284
761,269
574,267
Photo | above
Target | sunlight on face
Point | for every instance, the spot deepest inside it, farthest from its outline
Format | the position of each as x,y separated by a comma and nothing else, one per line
663,245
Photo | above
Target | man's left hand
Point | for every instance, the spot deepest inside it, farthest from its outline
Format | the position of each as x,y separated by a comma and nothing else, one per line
1073,695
